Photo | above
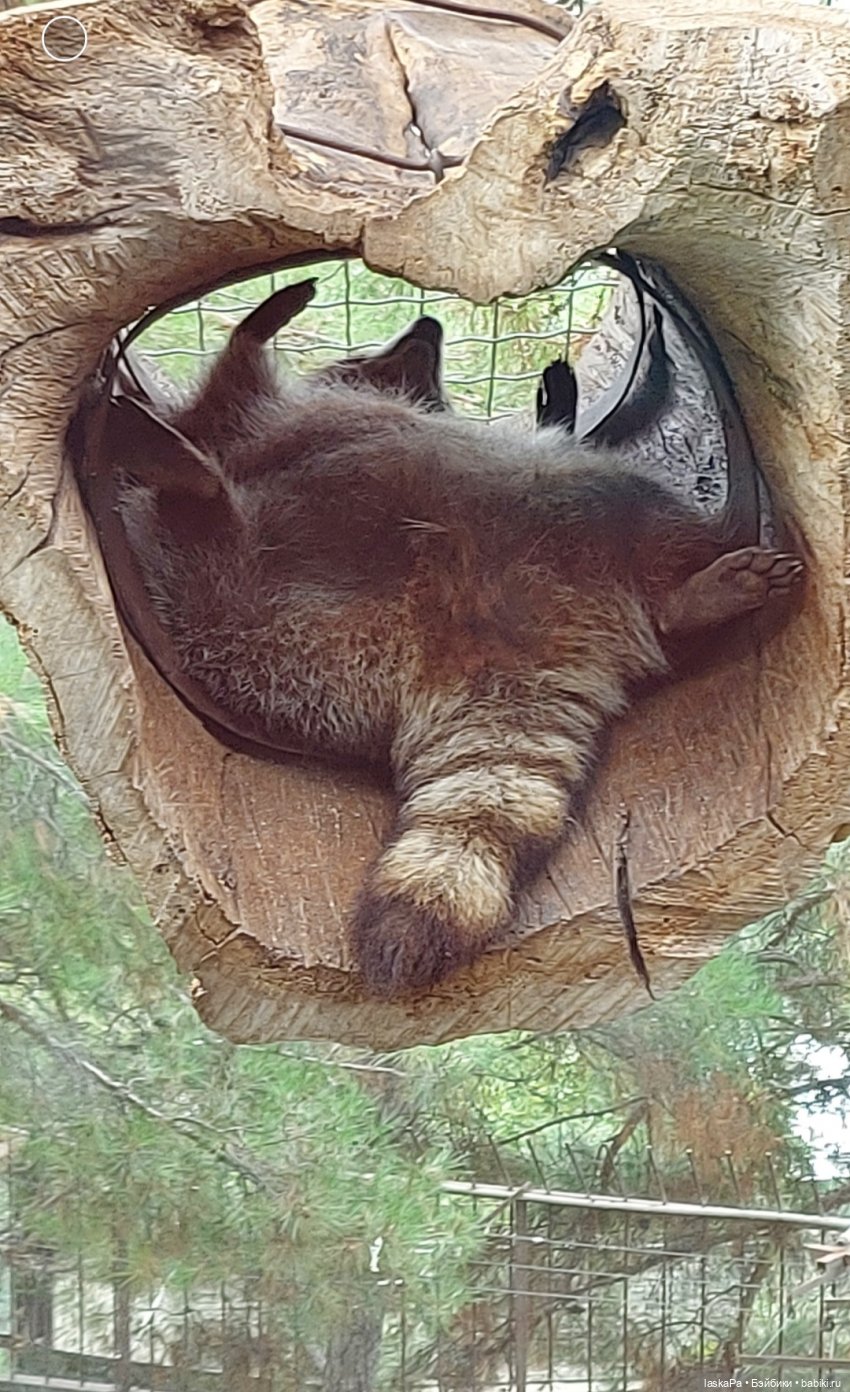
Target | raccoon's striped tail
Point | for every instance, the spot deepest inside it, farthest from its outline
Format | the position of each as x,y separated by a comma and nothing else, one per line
468,837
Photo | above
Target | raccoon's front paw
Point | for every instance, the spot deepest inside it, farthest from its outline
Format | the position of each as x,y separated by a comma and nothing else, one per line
400,947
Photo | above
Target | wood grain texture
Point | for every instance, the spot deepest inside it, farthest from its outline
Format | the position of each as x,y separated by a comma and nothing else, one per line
154,163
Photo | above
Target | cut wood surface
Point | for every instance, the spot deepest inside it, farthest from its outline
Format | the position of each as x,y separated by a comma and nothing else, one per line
153,165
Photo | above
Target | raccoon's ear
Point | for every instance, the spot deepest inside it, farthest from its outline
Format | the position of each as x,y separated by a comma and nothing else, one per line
413,368
411,364
423,330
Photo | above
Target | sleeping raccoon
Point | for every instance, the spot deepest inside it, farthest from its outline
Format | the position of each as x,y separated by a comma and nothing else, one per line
468,606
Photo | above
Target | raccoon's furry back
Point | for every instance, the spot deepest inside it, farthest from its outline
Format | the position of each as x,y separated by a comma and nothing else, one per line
376,551
466,605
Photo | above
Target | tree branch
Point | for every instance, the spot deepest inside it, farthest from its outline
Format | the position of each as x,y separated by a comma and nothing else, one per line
572,1116
191,1128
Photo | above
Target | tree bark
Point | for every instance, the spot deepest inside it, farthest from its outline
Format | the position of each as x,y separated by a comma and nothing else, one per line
152,165
353,1353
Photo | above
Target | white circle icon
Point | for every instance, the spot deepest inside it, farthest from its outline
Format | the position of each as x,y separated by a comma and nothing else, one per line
67,42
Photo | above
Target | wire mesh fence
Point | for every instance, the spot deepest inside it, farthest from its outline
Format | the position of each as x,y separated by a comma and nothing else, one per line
567,1291
494,354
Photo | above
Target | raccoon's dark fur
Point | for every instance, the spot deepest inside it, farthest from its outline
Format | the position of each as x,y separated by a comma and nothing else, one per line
467,605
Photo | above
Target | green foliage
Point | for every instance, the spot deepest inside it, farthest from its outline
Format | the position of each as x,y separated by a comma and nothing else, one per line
185,1158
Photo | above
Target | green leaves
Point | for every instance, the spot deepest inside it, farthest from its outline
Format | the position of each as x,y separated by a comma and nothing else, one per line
212,1163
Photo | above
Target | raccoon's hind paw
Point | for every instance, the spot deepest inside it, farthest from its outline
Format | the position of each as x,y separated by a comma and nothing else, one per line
401,948
737,583
557,396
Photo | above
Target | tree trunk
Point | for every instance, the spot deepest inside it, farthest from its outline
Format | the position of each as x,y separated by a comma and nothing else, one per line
353,1354
152,165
